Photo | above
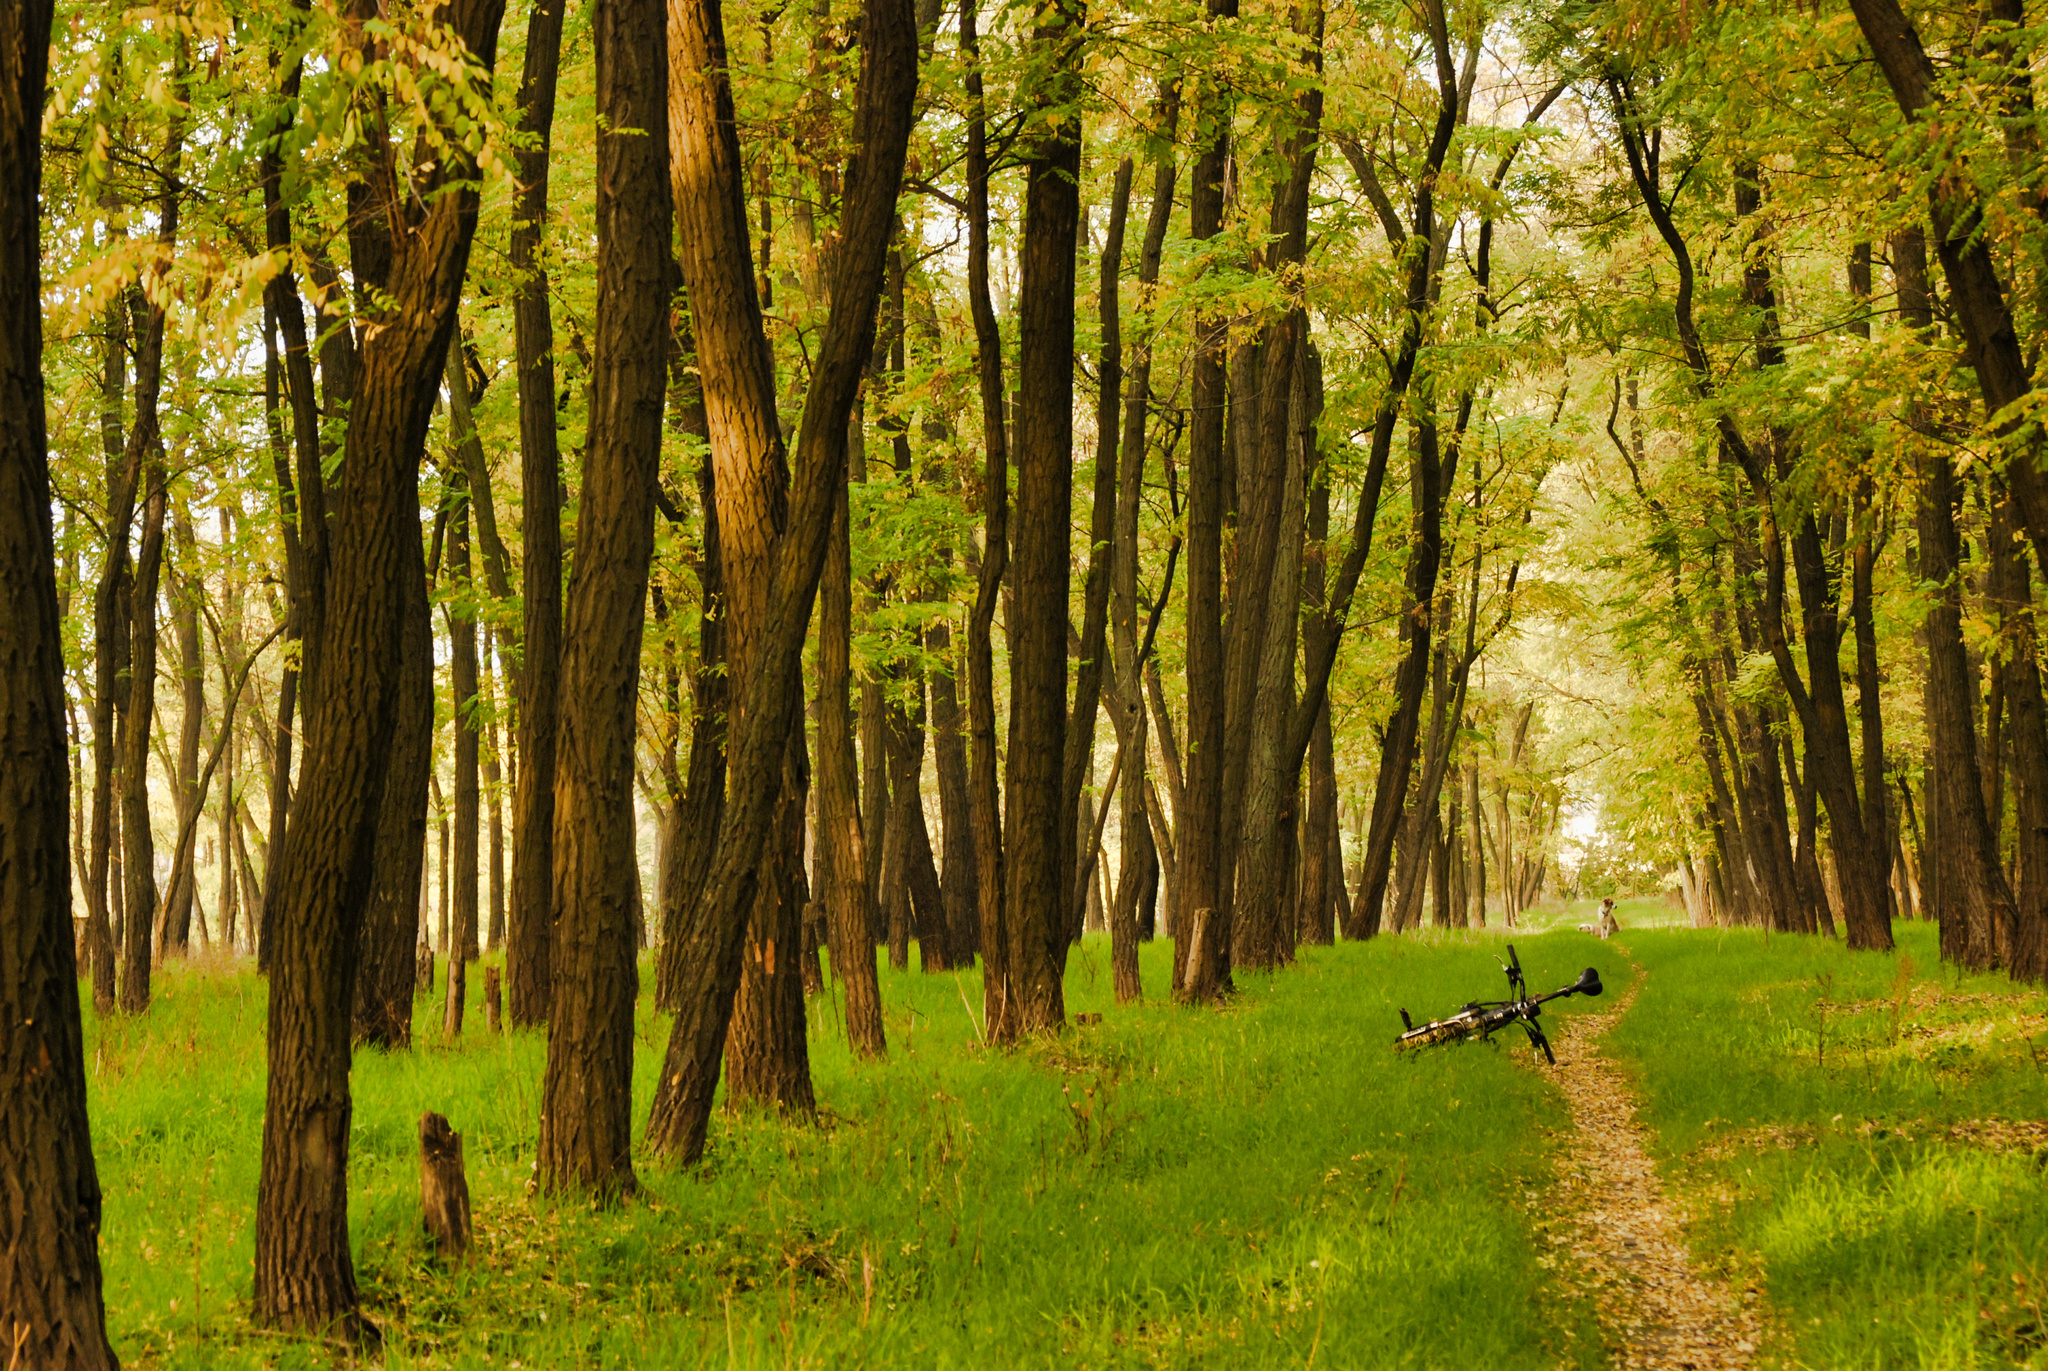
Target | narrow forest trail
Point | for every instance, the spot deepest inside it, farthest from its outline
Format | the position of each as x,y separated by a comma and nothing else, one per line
1618,1237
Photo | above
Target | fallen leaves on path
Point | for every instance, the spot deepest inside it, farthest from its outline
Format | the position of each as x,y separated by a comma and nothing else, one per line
1617,1235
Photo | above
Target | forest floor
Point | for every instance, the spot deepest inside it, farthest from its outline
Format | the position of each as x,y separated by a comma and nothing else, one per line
1857,1139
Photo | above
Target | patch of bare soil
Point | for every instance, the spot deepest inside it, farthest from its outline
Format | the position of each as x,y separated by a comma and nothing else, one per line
1990,1135
1618,1237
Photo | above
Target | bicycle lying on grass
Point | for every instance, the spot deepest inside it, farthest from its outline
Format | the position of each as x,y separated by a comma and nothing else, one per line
1483,1017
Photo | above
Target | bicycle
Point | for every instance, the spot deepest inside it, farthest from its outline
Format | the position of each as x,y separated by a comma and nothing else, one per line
1483,1018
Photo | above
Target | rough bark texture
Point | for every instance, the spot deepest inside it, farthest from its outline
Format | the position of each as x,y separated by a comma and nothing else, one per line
304,1275
698,818
1200,965
842,844
138,842
708,177
1095,585
174,928
50,1300
1039,862
528,954
1968,896
586,1133
999,1002
462,680
391,925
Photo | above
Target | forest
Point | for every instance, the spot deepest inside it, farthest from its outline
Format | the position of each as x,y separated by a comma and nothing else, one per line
543,546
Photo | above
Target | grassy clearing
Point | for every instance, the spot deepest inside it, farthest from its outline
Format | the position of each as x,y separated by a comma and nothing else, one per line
1260,1186
1849,1130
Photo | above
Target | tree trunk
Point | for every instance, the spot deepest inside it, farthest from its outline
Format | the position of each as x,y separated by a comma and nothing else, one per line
304,1275
842,843
702,812
462,676
1079,759
187,589
529,951
385,980
586,1138
138,844
959,883
1038,864
999,999
1322,870
2013,599
1201,970
733,358
1969,895
110,656
50,1206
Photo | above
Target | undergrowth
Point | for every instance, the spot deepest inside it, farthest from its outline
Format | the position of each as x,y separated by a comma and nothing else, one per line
1852,1130
1263,1185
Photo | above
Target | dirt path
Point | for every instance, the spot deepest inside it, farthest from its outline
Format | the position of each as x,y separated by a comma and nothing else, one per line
1618,1236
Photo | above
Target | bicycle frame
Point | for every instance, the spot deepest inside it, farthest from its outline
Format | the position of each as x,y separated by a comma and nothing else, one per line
1486,1017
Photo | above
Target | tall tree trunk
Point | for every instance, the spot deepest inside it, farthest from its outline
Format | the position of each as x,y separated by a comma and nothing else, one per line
586,1135
110,654
1130,919
1262,928
304,1276
1079,759
733,358
1969,895
1038,863
492,762
1322,867
999,999
529,952
1201,939
2012,596
186,592
462,677
302,505
842,842
959,882
702,811
50,1206
138,843
387,975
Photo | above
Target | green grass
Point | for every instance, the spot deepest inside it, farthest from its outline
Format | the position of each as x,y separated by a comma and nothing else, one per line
1803,1097
1252,1187
1264,1185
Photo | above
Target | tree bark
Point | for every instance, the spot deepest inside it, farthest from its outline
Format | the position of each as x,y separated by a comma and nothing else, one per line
176,932
702,812
385,980
1969,896
999,999
959,882
138,843
842,842
716,268
1095,586
586,1136
462,677
1039,863
304,1275
529,950
50,1205
1201,969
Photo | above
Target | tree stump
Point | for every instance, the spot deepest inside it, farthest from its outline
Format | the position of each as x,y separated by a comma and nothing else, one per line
423,978
494,1000
444,1189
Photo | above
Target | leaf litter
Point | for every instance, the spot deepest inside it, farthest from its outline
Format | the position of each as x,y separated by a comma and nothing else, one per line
1617,1236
